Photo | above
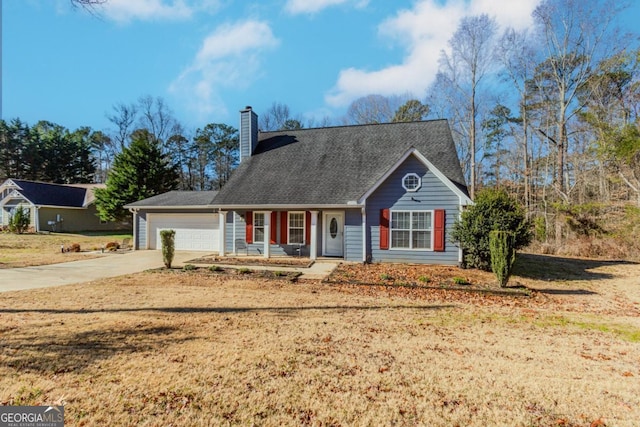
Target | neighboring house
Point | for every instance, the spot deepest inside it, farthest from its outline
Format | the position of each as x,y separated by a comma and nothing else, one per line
381,192
54,207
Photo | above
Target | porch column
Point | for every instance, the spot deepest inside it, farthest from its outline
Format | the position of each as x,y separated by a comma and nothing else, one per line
135,228
222,217
37,218
267,234
313,249
364,234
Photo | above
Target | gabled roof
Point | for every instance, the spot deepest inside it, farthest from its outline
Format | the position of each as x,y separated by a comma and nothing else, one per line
335,165
176,199
59,195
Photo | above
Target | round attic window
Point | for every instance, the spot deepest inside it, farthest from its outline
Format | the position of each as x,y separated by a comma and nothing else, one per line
411,182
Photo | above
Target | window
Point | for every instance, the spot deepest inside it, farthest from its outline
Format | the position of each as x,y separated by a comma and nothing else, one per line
411,182
296,228
258,227
411,229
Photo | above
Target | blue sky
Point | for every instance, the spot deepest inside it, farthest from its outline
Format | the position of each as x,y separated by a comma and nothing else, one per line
209,58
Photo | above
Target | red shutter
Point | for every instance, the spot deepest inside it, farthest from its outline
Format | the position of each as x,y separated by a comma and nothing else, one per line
384,228
307,228
438,230
248,219
284,228
274,227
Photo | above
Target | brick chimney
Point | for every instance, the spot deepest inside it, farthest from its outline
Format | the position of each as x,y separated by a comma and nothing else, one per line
248,132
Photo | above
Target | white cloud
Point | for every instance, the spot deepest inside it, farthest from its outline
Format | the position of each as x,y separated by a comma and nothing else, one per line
230,57
128,10
424,32
296,7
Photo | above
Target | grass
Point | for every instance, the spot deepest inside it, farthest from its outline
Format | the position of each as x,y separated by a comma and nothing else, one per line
23,250
211,350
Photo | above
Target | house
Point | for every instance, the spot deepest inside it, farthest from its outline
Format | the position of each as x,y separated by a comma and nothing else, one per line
54,207
380,192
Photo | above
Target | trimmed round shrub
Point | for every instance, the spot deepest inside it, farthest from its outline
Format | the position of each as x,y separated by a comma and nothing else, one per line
112,246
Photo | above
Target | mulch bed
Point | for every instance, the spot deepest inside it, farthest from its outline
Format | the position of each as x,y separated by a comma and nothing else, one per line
237,273
415,277
283,262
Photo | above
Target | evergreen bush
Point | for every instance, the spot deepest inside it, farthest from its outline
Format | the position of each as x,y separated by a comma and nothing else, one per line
19,222
168,246
494,209
503,254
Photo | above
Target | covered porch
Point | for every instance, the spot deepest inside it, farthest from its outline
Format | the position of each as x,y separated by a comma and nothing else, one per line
294,232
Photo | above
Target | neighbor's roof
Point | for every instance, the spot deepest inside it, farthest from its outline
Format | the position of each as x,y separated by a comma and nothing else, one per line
335,165
183,199
62,195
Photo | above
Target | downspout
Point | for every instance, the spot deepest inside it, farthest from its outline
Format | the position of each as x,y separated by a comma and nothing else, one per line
364,232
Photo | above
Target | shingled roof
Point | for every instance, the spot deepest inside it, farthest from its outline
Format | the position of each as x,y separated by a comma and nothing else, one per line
177,199
62,195
335,165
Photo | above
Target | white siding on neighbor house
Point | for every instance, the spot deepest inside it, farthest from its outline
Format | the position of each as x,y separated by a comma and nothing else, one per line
433,194
194,231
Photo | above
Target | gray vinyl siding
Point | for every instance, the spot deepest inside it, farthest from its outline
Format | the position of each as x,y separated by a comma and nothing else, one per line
353,235
433,194
141,230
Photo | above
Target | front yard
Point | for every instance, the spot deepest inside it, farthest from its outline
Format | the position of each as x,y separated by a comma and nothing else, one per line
24,250
196,348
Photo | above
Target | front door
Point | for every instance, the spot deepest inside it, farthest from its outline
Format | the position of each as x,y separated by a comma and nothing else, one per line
333,235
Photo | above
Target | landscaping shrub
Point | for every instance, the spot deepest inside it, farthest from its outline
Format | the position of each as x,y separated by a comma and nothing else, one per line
168,246
493,210
112,246
189,267
460,280
503,255
19,221
75,247
215,268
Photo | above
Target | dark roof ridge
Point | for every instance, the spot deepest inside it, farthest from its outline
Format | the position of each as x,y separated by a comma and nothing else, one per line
350,126
52,183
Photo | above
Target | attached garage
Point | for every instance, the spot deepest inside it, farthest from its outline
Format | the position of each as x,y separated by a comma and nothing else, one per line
190,213
194,232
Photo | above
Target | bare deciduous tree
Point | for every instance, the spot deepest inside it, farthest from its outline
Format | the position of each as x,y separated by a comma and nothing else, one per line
462,71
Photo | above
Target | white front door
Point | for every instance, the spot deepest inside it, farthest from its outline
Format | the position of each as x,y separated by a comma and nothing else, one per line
333,234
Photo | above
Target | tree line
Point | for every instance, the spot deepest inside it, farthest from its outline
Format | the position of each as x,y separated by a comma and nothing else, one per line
549,114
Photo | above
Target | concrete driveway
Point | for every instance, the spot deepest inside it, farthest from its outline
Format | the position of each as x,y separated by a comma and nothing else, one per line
111,265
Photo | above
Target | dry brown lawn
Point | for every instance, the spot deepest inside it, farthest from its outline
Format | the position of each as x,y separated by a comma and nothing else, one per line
173,348
23,250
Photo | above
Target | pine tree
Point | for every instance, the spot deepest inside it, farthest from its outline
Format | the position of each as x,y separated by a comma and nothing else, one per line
139,171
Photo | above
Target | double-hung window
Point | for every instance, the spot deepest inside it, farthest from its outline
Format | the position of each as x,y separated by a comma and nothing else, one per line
296,228
258,227
411,229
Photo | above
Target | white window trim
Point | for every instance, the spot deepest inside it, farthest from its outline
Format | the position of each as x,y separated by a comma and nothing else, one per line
413,190
429,249
304,227
254,226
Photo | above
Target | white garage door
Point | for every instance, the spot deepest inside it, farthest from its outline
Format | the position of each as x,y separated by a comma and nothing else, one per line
194,232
